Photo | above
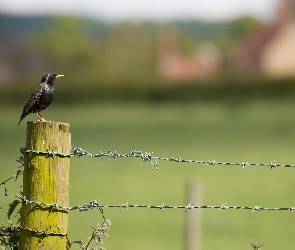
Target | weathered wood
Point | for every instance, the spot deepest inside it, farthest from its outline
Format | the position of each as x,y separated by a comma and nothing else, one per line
45,179
193,217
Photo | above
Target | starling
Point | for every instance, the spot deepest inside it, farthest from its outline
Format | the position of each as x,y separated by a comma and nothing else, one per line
41,98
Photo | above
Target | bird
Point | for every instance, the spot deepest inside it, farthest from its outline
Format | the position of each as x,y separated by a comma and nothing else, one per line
41,98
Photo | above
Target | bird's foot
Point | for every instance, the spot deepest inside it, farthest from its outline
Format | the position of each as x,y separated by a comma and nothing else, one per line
41,118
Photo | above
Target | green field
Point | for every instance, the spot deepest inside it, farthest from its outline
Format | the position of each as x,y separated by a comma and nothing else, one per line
254,132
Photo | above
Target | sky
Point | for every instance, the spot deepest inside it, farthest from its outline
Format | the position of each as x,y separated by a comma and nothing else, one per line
144,9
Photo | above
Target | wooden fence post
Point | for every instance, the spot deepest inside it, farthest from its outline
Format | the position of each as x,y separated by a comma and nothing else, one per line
45,179
193,217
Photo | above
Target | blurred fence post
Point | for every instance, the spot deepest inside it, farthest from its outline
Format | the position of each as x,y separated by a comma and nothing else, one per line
193,217
45,179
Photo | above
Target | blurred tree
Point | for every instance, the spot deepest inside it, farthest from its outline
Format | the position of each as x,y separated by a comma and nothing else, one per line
129,54
124,55
64,43
243,25
120,54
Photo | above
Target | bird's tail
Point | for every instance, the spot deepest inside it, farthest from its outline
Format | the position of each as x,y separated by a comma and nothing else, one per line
20,119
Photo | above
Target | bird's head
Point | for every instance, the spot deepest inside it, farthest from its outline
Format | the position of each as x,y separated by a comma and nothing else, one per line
49,78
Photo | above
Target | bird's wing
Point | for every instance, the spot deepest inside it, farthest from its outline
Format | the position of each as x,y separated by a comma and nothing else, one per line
35,96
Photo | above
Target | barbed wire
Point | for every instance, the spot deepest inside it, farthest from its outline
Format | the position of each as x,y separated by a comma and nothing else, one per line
147,157
95,204
82,208
46,232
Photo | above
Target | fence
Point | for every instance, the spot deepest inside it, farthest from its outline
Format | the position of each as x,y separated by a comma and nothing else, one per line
46,160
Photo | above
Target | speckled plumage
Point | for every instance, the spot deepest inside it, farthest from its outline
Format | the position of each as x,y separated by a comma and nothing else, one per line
41,98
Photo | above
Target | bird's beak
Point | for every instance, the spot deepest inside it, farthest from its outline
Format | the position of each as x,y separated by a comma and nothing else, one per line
59,76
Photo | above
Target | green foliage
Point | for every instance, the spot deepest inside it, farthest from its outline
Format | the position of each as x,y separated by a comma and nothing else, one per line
224,89
243,25
12,207
256,246
124,53
100,230
64,43
222,34
128,55
9,236
91,52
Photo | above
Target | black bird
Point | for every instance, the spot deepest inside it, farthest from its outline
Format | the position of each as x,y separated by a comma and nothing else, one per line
41,98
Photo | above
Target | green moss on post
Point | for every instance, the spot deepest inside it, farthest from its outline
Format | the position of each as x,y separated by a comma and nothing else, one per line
45,179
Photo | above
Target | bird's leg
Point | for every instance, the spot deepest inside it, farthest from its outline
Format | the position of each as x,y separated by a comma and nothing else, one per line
41,118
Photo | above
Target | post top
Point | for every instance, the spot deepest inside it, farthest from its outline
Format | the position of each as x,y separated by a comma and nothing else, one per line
65,127
47,122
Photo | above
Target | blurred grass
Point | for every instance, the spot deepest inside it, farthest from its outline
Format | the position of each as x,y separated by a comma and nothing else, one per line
254,132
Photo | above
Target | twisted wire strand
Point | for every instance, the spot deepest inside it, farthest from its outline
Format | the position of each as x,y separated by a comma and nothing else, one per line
147,157
95,204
